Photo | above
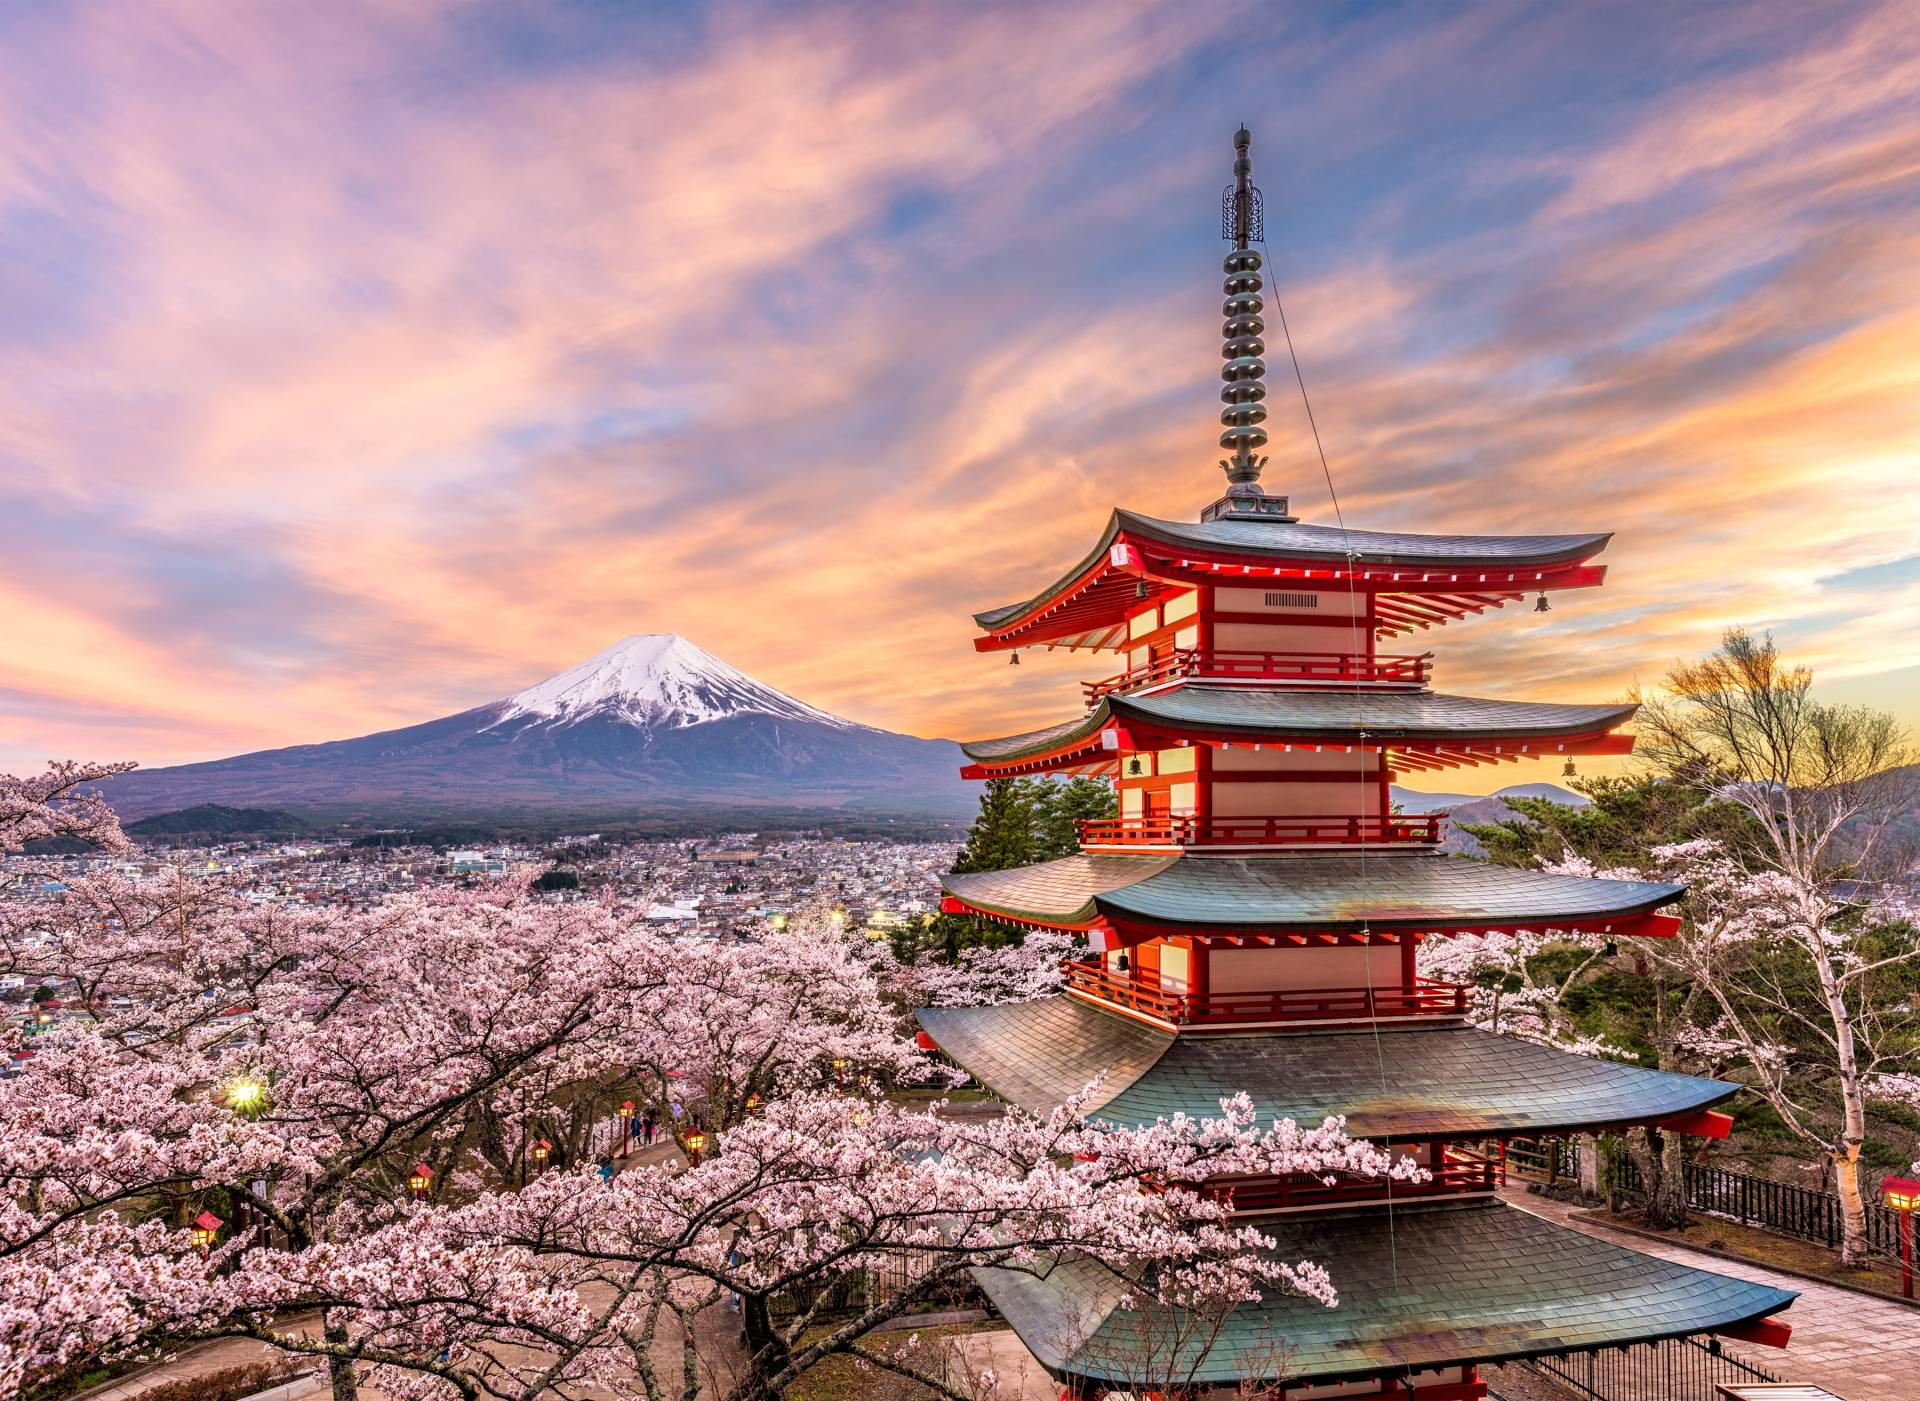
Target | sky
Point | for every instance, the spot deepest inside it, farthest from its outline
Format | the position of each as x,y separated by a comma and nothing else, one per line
361,363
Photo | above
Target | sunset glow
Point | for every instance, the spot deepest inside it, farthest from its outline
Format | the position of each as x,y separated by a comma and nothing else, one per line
366,363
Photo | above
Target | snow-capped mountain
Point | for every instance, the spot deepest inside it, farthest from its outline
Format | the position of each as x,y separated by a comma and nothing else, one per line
651,724
657,679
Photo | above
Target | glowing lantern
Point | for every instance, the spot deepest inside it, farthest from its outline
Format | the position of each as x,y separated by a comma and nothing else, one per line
206,1230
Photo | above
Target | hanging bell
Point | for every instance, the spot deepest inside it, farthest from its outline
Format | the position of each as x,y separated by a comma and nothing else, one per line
1014,659
1569,771
1540,605
1121,964
1140,588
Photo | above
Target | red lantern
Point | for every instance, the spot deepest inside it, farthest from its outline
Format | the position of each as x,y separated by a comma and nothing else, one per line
1903,1194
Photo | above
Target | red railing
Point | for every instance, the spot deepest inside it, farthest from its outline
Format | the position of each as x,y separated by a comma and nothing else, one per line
1421,829
1316,668
1425,998
1458,1170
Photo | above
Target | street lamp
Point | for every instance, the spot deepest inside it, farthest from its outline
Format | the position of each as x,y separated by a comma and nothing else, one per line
206,1230
839,1073
696,1140
542,1150
246,1095
753,1101
626,1127
1903,1194
419,1180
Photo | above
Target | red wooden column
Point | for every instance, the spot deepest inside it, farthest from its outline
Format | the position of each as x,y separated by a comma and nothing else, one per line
1409,952
1202,786
1199,982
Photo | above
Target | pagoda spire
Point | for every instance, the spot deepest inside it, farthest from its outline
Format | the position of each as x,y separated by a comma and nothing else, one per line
1243,349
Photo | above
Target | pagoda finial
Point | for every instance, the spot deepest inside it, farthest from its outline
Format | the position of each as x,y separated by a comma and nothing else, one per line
1243,349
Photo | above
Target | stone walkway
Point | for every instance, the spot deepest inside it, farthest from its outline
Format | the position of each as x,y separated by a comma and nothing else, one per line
1857,1347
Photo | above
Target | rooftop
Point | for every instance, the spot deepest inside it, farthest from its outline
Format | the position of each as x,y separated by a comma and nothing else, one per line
1181,552
1427,1285
1415,891
1404,1083
1162,719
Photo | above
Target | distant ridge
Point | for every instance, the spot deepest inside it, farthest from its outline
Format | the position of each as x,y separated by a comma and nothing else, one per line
217,820
652,724
1479,808
1413,801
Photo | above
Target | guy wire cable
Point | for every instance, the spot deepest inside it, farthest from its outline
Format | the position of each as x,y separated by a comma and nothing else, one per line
1359,695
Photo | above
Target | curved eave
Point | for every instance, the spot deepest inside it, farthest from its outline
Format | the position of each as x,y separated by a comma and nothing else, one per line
1431,1285
1303,897
1118,724
1396,1084
1419,581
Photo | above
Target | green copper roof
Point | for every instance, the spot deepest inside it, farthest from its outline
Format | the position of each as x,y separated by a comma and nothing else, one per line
1430,1285
1301,891
1271,540
1338,716
1407,1083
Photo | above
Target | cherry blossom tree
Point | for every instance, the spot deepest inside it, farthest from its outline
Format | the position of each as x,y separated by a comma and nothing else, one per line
1823,784
1817,1019
821,1189
982,976
57,803
288,1068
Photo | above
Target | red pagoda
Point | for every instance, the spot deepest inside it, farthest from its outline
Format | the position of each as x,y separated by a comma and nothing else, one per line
1252,916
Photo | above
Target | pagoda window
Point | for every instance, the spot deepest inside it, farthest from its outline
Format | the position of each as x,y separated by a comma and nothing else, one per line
1337,603
1145,621
1181,605
1133,802
1181,799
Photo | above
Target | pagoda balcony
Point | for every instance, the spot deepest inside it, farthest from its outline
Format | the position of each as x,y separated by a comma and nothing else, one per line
1182,833
1458,1170
1291,668
1425,998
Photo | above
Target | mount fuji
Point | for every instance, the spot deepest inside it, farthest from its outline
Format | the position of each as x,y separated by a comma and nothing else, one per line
650,725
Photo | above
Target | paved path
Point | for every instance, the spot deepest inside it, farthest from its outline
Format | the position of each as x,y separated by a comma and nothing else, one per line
1860,1348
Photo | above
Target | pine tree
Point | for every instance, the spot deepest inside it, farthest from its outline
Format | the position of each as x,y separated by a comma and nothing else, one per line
1002,836
1060,807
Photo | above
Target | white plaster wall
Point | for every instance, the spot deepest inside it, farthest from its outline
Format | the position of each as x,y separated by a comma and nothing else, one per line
1358,796
1291,968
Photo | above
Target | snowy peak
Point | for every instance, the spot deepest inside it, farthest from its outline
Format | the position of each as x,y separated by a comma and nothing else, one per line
655,681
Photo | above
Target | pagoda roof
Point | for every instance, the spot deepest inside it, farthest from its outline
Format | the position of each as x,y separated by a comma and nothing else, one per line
1404,1083
1463,567
1301,891
1433,1284
1374,718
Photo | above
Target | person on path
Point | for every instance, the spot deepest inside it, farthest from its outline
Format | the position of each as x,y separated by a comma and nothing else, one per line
648,1123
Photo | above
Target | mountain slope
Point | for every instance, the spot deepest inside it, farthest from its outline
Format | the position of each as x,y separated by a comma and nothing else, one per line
651,723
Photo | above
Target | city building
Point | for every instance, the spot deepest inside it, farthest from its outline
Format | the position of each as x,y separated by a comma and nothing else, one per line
1252,915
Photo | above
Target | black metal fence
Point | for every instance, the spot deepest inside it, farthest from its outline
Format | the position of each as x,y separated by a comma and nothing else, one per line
1790,1209
1676,1369
1544,1159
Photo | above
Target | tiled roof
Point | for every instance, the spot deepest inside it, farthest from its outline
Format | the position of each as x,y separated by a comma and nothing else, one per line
1332,543
1040,1054
1430,1285
1322,543
1311,715
1405,1083
1310,891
